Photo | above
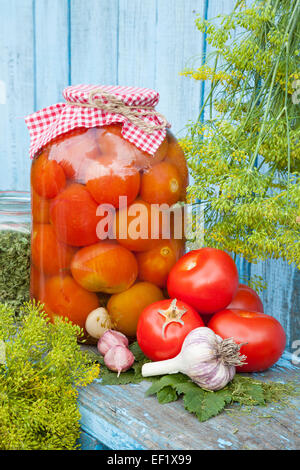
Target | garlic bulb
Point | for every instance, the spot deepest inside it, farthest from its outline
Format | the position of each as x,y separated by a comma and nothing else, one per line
118,359
205,357
98,322
110,339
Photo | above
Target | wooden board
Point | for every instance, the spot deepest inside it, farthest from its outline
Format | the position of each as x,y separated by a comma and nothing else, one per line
121,417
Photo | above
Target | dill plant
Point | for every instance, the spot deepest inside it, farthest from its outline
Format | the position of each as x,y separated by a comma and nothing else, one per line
245,157
41,370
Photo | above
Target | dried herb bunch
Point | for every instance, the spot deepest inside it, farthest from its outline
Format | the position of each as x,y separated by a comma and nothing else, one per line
245,158
41,369
14,268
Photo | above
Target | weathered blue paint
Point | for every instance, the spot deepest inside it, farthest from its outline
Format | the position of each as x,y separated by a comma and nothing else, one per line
88,442
111,435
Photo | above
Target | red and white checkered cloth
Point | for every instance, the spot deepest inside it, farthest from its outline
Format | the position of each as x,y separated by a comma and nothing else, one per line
60,118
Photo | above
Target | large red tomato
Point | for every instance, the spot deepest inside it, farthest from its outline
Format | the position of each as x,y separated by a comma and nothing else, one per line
47,177
263,334
107,180
207,279
73,214
246,298
163,326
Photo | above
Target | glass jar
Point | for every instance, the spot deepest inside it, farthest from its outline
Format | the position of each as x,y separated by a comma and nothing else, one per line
15,215
15,222
98,231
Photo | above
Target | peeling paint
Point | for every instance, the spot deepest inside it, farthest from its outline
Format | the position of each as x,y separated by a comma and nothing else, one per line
223,444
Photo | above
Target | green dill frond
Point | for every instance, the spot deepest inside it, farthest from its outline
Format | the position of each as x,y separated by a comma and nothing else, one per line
245,157
43,370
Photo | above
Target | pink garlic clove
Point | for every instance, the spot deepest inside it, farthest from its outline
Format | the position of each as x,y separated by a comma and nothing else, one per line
119,359
110,339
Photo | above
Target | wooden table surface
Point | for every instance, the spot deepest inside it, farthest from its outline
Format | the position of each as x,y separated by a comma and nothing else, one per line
121,417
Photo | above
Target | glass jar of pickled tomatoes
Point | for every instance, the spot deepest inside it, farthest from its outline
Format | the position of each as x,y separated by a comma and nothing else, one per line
95,199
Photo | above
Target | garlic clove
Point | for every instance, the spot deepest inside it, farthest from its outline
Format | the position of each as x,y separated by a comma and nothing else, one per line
119,359
110,339
98,322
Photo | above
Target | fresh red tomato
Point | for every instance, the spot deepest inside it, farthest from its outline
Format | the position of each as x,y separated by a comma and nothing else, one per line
246,298
206,279
263,334
163,326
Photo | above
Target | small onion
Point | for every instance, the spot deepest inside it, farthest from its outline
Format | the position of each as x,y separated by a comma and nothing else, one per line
119,359
98,322
205,357
110,339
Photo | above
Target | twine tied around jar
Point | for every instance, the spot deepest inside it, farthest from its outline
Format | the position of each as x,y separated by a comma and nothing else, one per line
134,114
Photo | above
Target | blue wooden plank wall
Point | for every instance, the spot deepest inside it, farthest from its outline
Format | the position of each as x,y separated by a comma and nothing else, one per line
46,45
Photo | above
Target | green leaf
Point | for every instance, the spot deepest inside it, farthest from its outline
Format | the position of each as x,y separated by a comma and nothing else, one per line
172,380
166,395
203,403
111,378
138,353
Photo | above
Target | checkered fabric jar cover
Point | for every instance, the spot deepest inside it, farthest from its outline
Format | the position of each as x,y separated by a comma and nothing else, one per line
78,111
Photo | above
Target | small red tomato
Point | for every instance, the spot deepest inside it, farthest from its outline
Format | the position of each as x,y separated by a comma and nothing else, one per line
155,265
161,184
264,336
207,279
47,177
246,298
163,326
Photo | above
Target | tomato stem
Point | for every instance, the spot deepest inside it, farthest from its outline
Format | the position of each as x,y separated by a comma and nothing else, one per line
172,314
